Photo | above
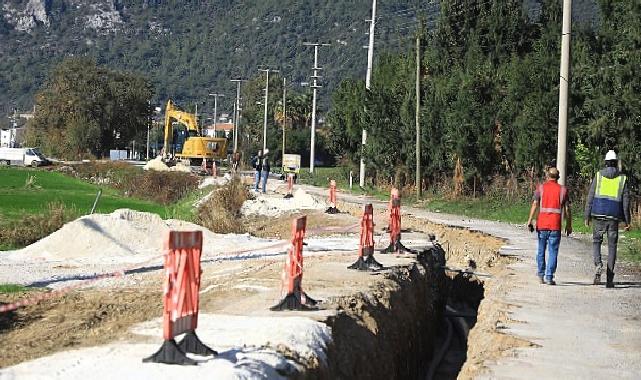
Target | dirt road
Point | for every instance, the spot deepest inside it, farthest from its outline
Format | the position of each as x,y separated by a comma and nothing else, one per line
573,330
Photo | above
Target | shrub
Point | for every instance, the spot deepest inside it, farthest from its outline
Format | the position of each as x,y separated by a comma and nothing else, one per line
161,187
221,213
31,228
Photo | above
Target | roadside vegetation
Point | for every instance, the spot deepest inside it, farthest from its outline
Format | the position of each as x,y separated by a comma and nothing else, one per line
221,212
35,203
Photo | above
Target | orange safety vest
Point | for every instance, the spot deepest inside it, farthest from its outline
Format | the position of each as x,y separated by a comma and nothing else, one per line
551,206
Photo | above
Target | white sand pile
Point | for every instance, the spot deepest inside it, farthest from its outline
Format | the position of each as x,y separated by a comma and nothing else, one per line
180,168
214,181
158,165
277,205
124,236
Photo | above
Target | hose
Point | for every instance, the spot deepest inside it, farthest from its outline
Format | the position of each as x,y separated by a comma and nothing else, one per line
436,361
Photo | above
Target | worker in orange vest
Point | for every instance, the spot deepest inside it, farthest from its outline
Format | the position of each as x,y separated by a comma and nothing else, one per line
552,201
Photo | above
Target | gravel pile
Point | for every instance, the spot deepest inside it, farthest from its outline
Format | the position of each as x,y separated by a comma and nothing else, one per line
275,205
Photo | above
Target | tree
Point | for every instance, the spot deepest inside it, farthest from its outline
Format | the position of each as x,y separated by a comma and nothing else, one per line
86,109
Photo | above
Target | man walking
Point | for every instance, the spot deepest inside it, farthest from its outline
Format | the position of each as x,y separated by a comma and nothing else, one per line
265,169
257,163
608,204
552,202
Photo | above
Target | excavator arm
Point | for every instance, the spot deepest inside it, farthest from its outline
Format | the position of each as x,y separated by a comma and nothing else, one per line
196,147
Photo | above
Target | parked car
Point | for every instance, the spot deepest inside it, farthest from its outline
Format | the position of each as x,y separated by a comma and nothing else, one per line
22,157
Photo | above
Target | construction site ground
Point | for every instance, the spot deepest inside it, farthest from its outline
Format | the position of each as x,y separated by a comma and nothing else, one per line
524,329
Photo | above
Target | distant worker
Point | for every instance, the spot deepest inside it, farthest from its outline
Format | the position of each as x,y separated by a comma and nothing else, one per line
257,163
552,201
608,204
266,166
235,161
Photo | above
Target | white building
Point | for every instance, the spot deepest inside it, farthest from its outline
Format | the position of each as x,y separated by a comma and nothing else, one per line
11,138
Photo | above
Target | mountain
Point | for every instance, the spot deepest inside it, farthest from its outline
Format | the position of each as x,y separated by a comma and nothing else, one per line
189,48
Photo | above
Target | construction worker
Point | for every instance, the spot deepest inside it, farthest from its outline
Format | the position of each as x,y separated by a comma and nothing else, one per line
265,169
257,163
552,202
608,204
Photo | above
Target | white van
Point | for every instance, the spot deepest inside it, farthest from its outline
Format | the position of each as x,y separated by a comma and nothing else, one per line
22,157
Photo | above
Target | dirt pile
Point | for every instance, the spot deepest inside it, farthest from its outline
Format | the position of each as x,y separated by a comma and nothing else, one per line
124,236
158,165
277,205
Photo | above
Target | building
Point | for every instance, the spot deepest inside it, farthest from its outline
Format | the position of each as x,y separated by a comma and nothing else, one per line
220,128
11,137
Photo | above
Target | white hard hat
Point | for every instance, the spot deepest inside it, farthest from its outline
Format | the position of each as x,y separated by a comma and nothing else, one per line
610,156
266,151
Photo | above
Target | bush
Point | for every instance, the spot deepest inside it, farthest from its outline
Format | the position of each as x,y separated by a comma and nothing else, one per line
31,228
221,213
161,187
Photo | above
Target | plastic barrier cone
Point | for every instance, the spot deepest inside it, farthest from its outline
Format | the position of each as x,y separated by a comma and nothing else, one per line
182,252
214,168
296,298
394,208
332,198
290,186
366,260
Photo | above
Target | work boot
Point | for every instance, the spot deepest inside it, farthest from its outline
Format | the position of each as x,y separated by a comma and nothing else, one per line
609,279
597,274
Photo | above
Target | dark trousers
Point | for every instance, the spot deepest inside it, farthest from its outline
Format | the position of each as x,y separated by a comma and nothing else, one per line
600,228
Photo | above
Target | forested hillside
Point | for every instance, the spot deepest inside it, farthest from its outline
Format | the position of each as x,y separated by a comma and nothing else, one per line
190,48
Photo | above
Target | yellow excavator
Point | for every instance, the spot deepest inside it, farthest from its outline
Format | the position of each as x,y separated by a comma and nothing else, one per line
195,147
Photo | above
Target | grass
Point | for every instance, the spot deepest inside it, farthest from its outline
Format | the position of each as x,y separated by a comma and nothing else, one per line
13,288
34,203
17,200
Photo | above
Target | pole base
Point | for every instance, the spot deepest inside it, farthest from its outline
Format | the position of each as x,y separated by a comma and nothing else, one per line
296,301
193,345
398,248
332,210
368,264
170,353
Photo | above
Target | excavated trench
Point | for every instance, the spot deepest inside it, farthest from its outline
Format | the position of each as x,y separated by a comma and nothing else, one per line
413,325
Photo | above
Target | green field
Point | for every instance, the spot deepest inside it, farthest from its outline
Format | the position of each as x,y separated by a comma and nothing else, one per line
16,199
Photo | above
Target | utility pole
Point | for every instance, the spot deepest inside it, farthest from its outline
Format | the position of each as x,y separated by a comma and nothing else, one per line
200,130
418,113
368,78
237,112
267,71
315,87
284,116
149,121
216,109
561,154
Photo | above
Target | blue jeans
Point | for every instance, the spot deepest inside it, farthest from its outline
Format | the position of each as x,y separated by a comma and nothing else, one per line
551,240
265,175
256,180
